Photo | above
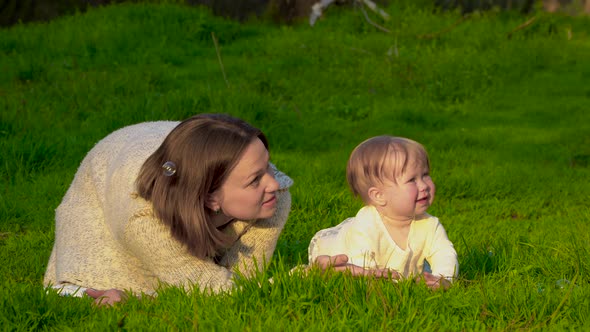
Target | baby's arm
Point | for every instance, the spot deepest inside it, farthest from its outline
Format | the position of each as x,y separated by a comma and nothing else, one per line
443,257
334,248
328,242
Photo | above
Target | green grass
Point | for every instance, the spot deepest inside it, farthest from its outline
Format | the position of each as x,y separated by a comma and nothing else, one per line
505,121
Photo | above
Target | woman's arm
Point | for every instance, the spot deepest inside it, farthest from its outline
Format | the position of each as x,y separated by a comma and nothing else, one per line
168,261
163,260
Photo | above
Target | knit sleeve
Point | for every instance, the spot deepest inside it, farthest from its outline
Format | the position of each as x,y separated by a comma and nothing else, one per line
443,257
168,261
257,240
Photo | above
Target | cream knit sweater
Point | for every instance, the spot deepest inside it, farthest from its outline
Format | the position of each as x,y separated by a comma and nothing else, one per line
367,243
108,237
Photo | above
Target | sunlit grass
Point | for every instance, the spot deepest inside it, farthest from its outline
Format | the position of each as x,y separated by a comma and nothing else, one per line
505,121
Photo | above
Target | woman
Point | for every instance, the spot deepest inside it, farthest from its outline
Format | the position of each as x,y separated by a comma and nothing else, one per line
169,203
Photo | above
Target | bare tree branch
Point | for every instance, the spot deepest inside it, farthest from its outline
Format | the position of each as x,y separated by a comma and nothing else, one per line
362,6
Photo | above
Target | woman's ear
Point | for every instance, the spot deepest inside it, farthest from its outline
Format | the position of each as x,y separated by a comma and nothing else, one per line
213,202
376,196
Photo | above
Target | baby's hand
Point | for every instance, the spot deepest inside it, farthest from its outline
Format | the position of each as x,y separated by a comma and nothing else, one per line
340,263
433,282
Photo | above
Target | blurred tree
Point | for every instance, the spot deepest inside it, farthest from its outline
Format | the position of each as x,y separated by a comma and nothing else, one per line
15,11
525,6
281,11
572,6
468,6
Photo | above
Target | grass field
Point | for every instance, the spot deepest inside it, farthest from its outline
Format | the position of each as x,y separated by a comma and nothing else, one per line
502,111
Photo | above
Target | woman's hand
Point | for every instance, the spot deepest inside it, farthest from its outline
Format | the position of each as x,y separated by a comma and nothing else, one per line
433,282
340,263
106,297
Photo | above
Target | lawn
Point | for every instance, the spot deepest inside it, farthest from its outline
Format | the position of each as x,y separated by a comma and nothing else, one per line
501,107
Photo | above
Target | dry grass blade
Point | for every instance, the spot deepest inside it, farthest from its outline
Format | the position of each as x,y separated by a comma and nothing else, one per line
522,26
219,58
445,30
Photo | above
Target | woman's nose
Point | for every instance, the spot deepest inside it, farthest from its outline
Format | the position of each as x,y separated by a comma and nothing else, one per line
273,184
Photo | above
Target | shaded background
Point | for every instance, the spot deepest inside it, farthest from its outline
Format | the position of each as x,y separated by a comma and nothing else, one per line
13,11
285,11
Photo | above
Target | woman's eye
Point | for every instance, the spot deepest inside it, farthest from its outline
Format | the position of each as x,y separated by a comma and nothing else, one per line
256,181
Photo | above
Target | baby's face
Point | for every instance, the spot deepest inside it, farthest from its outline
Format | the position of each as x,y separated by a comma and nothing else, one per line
412,195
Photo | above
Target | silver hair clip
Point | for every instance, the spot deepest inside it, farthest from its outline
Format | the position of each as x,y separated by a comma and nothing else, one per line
169,168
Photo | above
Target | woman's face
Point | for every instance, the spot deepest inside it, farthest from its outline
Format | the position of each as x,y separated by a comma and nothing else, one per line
250,189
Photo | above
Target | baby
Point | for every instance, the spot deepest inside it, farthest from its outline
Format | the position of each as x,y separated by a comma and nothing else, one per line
392,231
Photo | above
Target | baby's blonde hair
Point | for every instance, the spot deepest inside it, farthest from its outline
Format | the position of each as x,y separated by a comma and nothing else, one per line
381,158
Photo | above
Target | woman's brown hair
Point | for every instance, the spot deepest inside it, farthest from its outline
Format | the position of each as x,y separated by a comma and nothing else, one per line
204,148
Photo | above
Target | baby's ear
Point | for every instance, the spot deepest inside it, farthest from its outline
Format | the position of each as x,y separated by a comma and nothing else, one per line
376,196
